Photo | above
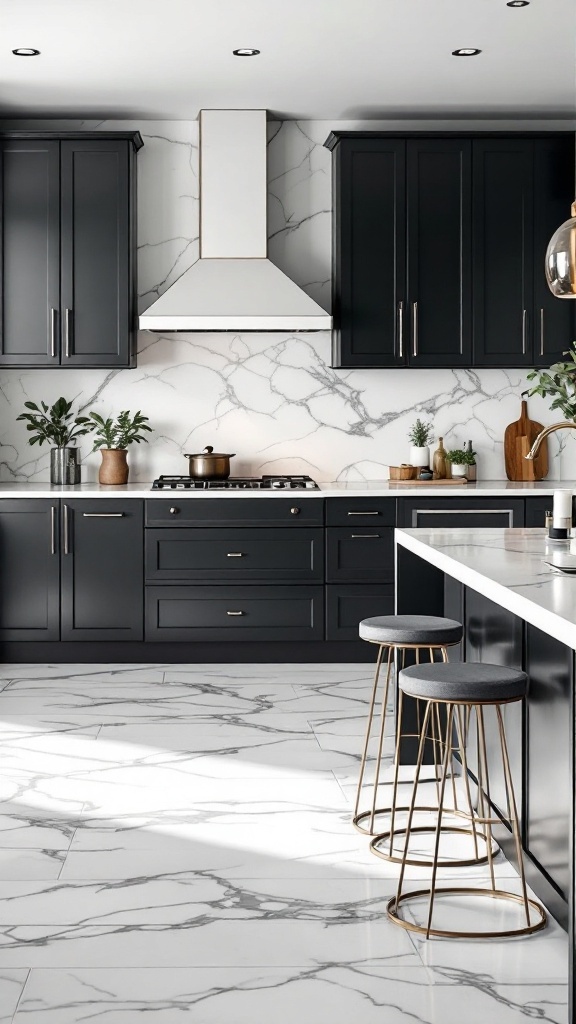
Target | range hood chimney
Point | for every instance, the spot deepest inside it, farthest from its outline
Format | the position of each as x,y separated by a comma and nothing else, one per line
233,286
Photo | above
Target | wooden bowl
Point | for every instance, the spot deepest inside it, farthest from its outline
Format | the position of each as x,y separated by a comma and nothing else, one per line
403,472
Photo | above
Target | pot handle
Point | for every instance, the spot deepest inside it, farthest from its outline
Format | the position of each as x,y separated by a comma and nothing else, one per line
208,450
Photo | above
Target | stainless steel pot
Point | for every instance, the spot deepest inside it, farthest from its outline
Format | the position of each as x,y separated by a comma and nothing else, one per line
209,465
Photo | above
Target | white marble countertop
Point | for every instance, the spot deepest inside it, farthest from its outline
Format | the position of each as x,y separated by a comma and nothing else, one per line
509,568
351,489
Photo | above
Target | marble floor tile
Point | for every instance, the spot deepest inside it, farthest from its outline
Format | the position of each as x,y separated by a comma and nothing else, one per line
107,673
30,864
336,993
11,987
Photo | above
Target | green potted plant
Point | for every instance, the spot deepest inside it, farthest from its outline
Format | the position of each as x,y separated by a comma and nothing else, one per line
460,460
420,435
57,425
559,382
113,437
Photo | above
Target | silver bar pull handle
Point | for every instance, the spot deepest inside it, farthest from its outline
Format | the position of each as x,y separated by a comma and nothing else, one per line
400,330
235,554
364,536
53,333
53,514
524,329
234,613
66,530
541,332
415,329
67,333
102,515
363,513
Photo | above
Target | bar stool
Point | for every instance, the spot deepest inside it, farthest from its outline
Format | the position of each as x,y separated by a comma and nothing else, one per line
395,634
460,689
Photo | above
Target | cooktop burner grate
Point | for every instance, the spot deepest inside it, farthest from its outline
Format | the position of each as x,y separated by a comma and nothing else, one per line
236,483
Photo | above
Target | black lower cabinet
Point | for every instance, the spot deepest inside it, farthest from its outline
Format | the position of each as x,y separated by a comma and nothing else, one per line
237,555
102,570
348,604
29,570
232,613
549,775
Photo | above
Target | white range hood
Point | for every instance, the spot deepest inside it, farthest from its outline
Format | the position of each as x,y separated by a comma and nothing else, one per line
233,286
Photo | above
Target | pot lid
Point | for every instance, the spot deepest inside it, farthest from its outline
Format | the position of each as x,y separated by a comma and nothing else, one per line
209,453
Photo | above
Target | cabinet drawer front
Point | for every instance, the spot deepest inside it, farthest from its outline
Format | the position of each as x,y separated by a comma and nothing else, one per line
346,606
361,512
236,511
465,513
361,553
240,554
234,613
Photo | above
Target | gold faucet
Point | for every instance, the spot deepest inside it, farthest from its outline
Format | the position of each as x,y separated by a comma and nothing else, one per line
565,425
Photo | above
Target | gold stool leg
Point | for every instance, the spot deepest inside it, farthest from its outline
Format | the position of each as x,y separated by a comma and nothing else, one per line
380,741
447,752
413,800
464,761
368,728
484,788
514,818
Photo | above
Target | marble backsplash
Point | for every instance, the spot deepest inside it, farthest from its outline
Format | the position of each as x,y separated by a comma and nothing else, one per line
271,398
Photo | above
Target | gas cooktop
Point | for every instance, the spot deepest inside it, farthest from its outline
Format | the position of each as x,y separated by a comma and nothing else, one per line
236,483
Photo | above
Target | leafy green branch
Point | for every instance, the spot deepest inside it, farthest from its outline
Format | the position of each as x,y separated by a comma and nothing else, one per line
55,425
119,433
558,382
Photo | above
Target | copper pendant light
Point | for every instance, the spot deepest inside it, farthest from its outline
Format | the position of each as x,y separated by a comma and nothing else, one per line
560,264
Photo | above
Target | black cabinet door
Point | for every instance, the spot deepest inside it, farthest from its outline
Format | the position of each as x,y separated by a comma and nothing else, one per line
359,554
30,267
102,570
536,509
96,253
370,253
439,190
554,320
29,570
503,252
347,605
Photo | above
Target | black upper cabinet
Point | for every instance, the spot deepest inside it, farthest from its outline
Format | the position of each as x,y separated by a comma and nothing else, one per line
503,252
439,246
68,249
370,253
554,319
30,246
438,329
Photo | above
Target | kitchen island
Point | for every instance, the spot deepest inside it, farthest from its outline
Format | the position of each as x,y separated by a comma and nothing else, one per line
517,611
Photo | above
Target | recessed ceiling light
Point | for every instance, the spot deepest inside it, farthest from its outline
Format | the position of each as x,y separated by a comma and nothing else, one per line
25,51
518,3
246,51
466,51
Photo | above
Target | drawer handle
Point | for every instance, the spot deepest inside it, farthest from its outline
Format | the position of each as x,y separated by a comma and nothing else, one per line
363,513
174,511
103,515
234,613
235,554
365,536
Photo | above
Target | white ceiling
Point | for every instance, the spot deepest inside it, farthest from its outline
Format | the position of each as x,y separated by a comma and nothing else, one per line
319,58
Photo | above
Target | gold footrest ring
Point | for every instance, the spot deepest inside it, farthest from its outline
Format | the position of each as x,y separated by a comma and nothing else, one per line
444,933
431,830
428,809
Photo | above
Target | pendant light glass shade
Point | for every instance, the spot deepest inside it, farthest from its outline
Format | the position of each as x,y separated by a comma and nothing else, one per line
560,266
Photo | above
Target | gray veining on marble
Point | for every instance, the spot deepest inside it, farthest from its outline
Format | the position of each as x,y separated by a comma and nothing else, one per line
271,398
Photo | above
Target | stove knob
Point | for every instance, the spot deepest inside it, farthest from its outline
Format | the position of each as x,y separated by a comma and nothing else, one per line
174,511
278,483
295,511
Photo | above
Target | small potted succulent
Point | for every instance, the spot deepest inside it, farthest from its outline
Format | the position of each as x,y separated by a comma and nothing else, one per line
460,460
420,435
57,425
112,438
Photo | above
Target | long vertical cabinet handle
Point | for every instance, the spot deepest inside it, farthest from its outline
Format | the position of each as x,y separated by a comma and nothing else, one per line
415,329
67,333
66,530
524,326
541,332
53,333
400,321
53,532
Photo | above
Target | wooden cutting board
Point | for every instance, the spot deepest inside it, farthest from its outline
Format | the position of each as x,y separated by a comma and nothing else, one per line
518,439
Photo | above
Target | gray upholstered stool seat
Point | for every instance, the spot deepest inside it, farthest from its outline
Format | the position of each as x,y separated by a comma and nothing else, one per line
466,682
411,629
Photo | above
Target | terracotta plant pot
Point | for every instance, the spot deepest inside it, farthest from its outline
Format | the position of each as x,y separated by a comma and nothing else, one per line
114,468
